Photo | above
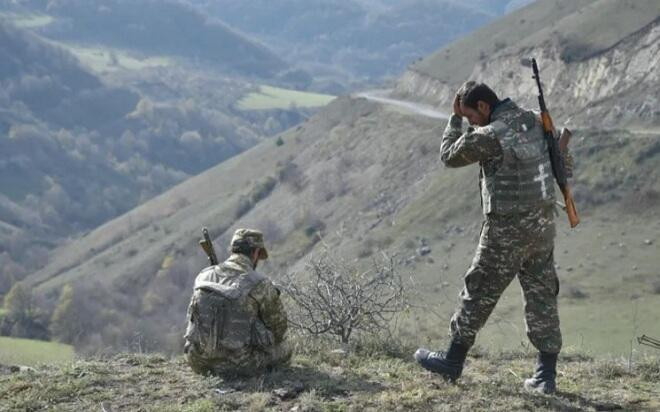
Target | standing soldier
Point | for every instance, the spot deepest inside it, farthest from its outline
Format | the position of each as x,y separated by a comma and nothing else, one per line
236,322
517,236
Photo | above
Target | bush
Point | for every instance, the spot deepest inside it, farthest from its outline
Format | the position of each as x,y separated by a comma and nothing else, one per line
22,318
259,191
314,227
262,189
338,299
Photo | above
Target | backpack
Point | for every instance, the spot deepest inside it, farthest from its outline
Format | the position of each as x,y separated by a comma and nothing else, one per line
224,322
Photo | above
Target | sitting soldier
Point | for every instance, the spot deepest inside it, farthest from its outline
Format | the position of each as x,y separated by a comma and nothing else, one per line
236,322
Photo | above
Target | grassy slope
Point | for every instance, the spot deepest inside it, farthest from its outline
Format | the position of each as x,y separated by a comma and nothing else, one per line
530,26
371,176
394,193
269,97
169,223
33,352
449,63
358,381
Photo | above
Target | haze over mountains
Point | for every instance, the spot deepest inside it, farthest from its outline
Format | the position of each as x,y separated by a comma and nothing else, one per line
356,41
362,177
154,27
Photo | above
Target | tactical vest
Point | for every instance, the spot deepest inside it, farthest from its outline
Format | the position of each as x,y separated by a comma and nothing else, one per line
523,180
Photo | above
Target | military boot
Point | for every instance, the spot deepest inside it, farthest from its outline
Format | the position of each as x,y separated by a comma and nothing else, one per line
543,380
447,364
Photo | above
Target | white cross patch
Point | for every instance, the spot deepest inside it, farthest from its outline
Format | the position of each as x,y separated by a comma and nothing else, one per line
541,178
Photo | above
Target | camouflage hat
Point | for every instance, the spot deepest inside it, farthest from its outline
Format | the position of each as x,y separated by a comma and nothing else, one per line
252,237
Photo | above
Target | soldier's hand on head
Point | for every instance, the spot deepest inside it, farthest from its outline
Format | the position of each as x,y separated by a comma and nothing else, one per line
457,106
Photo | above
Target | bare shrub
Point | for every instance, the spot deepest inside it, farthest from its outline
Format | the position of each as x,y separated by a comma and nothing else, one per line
336,298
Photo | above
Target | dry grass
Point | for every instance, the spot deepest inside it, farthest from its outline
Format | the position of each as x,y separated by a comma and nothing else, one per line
367,378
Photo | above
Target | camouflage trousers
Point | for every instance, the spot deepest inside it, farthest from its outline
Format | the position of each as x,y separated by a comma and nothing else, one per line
509,246
243,363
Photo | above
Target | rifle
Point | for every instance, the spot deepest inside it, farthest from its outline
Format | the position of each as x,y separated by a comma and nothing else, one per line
207,245
556,147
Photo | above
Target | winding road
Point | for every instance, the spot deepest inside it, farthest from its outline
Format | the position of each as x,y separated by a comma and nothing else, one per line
381,96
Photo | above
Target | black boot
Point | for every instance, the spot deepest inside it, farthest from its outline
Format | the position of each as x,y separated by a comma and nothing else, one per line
448,364
543,380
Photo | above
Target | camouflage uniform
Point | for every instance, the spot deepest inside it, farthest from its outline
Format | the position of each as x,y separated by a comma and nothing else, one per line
236,322
517,236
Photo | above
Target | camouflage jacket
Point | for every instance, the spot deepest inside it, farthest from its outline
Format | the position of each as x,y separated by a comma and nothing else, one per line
236,280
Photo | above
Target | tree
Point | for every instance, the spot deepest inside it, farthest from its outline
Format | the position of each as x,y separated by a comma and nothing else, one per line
337,298
65,324
18,302
22,319
6,281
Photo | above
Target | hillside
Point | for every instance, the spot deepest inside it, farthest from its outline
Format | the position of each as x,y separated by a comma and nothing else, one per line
365,178
318,380
596,59
360,177
147,27
355,42
79,149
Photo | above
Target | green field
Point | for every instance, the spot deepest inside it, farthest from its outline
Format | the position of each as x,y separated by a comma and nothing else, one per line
27,21
104,59
268,97
28,352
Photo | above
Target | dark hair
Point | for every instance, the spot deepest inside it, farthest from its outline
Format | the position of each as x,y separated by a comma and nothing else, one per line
242,248
471,92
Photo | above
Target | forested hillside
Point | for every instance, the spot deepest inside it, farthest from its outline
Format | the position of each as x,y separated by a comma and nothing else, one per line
356,41
153,27
79,150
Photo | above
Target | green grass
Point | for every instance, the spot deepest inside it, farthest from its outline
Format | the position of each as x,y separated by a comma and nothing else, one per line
365,378
268,97
28,352
104,59
28,21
